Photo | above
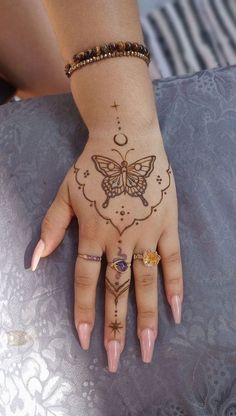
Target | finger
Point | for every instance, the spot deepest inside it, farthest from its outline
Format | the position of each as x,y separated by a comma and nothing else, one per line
85,284
54,225
146,292
116,303
169,249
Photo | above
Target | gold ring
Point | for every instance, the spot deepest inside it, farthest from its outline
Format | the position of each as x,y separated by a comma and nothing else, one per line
119,265
149,258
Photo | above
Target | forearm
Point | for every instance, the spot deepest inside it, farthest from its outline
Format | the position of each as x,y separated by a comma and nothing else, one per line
80,25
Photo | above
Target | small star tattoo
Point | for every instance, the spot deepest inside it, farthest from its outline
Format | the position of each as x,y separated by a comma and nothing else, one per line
115,327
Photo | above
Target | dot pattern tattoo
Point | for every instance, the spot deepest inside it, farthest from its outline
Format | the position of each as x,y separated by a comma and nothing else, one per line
86,173
134,220
119,138
117,289
159,179
123,179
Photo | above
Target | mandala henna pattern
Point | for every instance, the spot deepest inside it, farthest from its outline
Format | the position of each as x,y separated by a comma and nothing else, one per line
124,178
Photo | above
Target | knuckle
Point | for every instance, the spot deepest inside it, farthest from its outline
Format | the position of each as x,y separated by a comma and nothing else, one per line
173,280
84,308
172,258
83,281
46,223
88,229
146,279
147,313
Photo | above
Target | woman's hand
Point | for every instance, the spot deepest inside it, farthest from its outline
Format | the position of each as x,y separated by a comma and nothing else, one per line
122,191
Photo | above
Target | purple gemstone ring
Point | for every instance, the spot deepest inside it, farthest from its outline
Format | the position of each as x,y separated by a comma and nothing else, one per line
119,265
90,257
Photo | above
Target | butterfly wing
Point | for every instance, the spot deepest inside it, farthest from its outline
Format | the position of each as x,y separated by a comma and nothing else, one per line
112,183
142,167
137,173
106,166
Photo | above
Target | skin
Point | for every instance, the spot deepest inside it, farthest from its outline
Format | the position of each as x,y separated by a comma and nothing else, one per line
95,88
29,52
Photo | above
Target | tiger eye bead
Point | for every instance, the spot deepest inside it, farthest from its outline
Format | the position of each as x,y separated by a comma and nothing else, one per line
98,50
78,57
141,49
89,53
111,47
75,57
128,46
94,52
135,47
107,50
67,67
104,48
120,46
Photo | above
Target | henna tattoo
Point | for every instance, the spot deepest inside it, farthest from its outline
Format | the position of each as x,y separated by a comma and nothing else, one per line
121,178
120,254
122,214
120,139
115,327
115,105
86,173
117,290
135,221
123,139
159,179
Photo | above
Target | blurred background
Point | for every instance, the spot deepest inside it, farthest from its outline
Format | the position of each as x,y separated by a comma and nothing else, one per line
185,36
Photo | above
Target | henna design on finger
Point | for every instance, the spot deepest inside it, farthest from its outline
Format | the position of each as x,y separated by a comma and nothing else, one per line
120,254
115,327
117,289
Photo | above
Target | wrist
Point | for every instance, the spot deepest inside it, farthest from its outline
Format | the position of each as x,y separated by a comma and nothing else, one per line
118,89
144,140
131,131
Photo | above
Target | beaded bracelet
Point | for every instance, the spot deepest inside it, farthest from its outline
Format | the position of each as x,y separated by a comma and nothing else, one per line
110,50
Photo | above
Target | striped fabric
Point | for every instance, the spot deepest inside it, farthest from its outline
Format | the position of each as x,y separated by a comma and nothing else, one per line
185,36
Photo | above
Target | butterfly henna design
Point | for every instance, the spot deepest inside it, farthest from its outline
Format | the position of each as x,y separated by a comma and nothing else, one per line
124,178
123,174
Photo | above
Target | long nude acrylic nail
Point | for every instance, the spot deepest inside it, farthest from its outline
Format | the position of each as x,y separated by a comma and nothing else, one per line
175,304
113,355
147,340
38,251
84,331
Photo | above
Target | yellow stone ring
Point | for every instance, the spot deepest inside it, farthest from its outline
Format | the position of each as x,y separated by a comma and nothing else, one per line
149,258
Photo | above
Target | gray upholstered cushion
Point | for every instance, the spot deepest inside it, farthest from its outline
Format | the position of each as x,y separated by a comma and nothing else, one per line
44,371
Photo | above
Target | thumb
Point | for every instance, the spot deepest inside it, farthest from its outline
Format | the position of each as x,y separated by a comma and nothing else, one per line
54,225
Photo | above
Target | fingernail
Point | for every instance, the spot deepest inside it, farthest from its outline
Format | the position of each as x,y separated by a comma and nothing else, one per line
113,355
38,251
176,308
147,344
84,331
